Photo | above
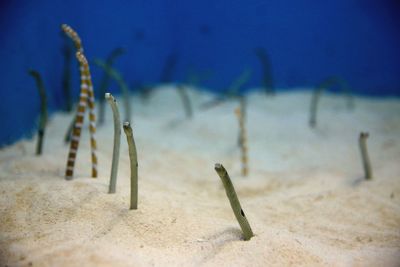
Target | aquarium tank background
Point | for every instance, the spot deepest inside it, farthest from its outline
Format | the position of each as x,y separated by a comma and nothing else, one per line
213,40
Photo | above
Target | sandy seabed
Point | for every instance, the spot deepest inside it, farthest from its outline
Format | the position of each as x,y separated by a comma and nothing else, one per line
305,196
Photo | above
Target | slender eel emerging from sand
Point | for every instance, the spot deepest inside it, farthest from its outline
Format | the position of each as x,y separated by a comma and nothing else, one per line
121,83
364,155
169,68
86,98
185,100
314,105
68,134
194,77
212,103
268,82
232,92
329,82
92,116
71,33
105,82
233,199
234,88
345,88
117,141
242,140
43,110
134,165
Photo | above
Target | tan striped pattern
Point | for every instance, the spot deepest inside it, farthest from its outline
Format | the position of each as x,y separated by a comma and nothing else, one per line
86,98
243,140
74,36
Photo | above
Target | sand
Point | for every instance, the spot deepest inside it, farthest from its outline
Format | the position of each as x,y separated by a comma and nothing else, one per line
305,196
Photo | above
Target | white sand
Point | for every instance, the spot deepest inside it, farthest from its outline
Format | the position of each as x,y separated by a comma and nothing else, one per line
305,196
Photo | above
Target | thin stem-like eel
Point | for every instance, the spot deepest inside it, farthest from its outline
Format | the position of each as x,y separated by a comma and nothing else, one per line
345,88
364,155
234,88
76,40
266,70
121,83
105,82
43,110
328,82
314,105
169,68
68,134
234,201
117,141
185,100
86,98
242,140
134,165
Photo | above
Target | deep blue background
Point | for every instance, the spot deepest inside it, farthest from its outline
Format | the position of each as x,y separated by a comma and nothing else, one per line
307,40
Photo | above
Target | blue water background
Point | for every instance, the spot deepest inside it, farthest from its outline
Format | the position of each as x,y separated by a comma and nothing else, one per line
307,40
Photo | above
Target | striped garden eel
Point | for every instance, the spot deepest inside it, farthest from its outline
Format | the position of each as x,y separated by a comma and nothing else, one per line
241,113
74,37
86,98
